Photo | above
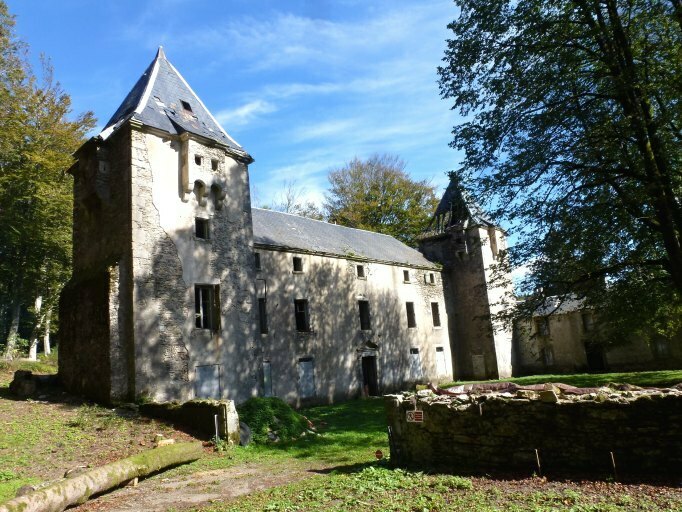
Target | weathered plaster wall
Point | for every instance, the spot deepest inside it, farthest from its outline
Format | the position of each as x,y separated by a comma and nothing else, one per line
488,433
168,260
482,350
336,343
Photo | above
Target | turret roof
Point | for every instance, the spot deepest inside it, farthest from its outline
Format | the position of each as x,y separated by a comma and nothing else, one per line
162,99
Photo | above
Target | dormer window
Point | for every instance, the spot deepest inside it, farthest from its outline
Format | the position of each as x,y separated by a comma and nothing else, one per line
186,106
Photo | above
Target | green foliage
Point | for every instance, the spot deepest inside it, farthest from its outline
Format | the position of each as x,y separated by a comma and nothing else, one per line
37,140
271,415
378,195
572,135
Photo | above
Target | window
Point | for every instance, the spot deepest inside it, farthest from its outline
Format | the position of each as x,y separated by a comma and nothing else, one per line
201,228
441,364
415,364
363,306
262,316
306,377
435,313
406,276
206,306
214,164
302,315
430,278
267,378
186,106
411,320
197,159
298,264
542,326
256,259
361,271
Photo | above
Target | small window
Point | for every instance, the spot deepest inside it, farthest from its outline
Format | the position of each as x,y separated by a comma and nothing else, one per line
201,228
206,306
361,271
411,320
186,106
542,326
363,306
432,278
414,351
406,276
256,259
214,164
262,316
302,315
435,313
197,159
298,264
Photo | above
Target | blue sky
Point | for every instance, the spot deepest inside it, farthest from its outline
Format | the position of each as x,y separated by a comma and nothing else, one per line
303,86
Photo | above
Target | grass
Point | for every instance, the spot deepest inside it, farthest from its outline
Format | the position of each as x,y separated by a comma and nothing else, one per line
661,378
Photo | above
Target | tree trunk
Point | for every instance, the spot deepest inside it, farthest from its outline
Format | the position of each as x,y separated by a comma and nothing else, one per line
13,328
33,345
77,490
46,336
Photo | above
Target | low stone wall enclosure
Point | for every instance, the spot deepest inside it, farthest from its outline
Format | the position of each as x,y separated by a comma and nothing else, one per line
603,430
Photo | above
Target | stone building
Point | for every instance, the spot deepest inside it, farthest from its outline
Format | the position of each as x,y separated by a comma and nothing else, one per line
180,289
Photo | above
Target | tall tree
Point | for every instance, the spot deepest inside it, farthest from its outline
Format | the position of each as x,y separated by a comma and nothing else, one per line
573,133
378,195
36,143
291,200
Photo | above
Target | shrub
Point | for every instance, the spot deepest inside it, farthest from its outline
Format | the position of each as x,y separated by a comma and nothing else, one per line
271,419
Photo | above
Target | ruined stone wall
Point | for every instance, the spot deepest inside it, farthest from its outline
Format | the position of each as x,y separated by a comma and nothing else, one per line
95,317
336,342
503,432
169,260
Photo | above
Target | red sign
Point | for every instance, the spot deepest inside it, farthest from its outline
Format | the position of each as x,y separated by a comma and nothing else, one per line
415,416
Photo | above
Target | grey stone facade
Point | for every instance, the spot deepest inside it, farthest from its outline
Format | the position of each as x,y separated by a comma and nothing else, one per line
167,300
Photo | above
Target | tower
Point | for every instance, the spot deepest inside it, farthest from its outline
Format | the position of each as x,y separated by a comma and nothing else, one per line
161,299
471,248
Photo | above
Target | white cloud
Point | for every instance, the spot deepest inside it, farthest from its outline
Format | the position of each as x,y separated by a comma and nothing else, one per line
241,116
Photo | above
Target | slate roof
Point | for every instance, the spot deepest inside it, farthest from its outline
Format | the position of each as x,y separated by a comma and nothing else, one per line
458,208
160,99
289,231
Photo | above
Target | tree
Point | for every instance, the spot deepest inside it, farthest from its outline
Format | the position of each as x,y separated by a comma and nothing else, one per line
378,195
36,144
291,201
573,136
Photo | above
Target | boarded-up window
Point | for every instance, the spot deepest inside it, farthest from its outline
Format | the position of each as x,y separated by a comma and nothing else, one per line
306,377
207,381
441,364
263,316
267,378
435,314
415,364
363,307
206,306
411,319
302,315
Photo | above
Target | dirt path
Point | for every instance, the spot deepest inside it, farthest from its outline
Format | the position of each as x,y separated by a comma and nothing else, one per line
159,494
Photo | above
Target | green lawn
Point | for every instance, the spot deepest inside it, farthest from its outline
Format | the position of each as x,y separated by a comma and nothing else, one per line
588,380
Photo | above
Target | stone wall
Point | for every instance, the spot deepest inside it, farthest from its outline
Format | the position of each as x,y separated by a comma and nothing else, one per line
474,433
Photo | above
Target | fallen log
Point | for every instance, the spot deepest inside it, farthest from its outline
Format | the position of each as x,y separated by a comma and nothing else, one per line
78,489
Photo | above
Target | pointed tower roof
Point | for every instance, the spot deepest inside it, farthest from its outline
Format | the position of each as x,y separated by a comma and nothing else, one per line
457,209
162,99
